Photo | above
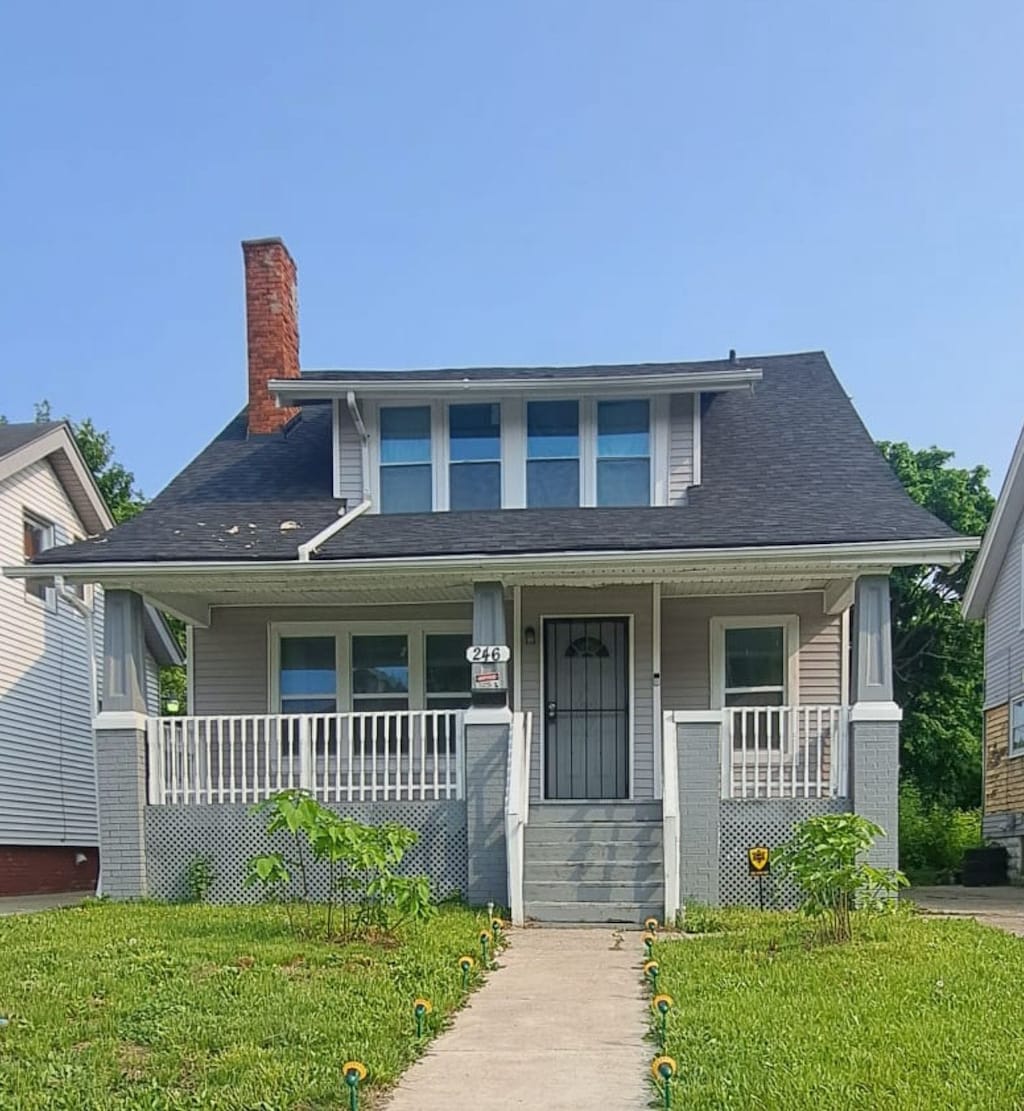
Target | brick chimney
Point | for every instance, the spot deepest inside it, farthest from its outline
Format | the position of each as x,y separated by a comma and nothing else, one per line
272,329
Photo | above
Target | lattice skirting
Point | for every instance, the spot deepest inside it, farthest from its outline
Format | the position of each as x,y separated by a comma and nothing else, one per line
770,822
229,834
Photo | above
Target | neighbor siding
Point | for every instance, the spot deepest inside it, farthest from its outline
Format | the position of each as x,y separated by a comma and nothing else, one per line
541,602
1004,775
680,446
47,778
1004,638
350,458
686,645
231,657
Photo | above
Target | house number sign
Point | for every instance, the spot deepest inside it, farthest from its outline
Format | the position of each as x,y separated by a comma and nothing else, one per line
488,654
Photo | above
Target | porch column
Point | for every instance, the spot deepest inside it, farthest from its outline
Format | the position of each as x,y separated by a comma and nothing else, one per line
699,758
489,628
875,718
120,740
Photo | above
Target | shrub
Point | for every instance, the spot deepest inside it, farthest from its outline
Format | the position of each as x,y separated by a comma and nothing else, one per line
200,876
823,859
933,837
355,863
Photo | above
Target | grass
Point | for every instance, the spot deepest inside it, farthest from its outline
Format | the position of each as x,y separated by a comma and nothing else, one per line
146,1006
916,1013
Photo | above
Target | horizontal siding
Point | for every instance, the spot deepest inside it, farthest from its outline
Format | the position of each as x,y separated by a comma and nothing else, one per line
350,457
47,777
1004,775
152,685
231,660
686,645
680,447
609,602
1004,638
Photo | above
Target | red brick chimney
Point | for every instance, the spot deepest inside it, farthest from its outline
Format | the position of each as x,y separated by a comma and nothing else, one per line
272,329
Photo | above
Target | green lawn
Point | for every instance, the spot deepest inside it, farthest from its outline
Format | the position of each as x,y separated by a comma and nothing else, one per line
915,1014
160,1007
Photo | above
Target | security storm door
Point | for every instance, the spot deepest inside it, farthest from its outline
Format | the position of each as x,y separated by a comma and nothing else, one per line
586,708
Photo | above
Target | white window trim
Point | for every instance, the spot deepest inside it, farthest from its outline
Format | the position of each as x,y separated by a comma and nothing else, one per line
1016,705
343,631
38,520
514,446
790,623
1021,584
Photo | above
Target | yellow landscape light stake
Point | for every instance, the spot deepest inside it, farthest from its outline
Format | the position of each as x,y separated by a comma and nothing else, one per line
649,940
664,1068
651,970
662,1004
421,1008
466,964
496,925
354,1073
651,925
485,939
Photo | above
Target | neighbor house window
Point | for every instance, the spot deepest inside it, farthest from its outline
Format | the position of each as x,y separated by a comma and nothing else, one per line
309,682
1017,727
623,453
380,672
406,474
552,453
447,671
474,452
39,535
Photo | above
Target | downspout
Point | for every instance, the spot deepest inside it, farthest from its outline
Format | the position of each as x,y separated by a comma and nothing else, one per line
306,550
86,613
364,438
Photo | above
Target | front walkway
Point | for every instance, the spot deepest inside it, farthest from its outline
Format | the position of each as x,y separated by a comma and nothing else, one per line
1002,907
560,1026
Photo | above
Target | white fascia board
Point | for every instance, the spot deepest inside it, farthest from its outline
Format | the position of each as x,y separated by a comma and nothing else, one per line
873,557
1009,508
290,390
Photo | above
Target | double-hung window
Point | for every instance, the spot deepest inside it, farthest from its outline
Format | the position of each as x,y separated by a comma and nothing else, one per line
39,535
552,453
474,453
1017,727
309,677
447,678
753,665
623,453
380,672
406,469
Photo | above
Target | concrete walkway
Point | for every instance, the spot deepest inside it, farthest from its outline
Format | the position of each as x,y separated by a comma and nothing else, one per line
1002,907
559,1026
30,904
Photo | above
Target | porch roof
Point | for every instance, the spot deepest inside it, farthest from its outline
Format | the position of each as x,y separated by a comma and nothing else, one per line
786,463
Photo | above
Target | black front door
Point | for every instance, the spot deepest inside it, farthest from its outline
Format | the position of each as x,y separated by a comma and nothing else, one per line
586,708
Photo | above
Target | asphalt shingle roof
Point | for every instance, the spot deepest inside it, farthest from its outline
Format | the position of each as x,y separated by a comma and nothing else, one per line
529,373
14,436
787,463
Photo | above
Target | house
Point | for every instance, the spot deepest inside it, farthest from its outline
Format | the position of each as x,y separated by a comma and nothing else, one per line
48,632
995,593
593,631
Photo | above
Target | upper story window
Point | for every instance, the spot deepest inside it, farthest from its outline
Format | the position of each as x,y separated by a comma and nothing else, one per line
552,453
39,535
474,453
406,474
623,453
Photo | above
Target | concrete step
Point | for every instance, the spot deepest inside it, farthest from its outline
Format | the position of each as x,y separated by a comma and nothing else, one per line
558,833
593,852
598,891
594,871
557,813
612,914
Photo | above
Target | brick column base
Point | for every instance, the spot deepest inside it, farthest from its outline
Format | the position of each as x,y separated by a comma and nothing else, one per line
121,788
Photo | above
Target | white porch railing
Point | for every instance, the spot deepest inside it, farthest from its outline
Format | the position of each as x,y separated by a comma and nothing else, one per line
517,810
670,819
412,755
784,752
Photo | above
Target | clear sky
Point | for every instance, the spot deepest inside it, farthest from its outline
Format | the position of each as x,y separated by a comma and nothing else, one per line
519,182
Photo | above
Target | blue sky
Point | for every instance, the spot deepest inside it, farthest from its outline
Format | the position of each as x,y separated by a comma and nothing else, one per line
528,182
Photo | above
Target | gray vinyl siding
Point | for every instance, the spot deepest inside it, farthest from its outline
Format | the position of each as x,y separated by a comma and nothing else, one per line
47,767
152,685
1004,638
231,657
686,645
350,457
680,446
631,601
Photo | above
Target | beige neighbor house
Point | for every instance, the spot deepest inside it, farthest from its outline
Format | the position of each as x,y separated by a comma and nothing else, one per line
996,594
593,631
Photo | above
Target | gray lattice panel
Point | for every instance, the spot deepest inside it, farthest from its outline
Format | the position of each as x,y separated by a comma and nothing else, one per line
748,822
229,834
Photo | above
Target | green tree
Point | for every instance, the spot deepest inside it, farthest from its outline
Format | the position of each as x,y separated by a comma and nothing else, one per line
937,655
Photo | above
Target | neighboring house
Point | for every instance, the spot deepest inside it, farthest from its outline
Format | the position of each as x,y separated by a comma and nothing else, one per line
48,831
668,553
996,593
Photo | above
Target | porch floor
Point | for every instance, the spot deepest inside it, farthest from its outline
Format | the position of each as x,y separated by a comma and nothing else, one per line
524,1040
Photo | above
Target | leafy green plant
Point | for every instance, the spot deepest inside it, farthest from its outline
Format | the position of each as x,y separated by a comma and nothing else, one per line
355,863
824,859
933,838
200,876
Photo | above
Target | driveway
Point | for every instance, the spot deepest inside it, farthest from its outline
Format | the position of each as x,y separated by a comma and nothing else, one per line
29,904
1002,907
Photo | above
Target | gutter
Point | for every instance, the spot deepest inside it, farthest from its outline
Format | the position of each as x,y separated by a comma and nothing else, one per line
310,547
